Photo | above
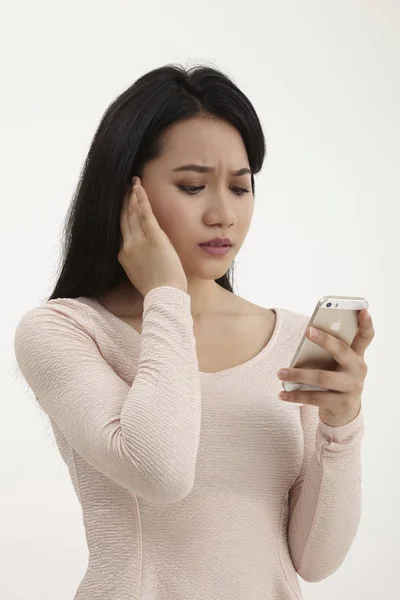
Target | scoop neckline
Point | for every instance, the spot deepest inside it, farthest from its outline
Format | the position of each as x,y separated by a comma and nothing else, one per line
204,374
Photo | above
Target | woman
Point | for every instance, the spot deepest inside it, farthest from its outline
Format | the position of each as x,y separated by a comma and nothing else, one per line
161,383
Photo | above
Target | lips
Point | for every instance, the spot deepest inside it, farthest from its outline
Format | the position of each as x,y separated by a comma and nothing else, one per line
217,242
215,250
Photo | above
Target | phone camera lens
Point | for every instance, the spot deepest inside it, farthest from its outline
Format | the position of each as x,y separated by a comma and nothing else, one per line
329,304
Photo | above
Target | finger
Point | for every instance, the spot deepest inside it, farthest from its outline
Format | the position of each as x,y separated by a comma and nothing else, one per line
338,349
364,336
146,216
123,219
129,220
321,399
330,380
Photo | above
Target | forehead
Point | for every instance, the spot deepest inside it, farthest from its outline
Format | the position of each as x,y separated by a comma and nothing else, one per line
204,141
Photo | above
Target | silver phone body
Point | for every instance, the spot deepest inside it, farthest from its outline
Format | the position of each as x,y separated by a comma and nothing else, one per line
339,319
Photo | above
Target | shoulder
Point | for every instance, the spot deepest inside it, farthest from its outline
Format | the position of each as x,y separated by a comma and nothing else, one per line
48,333
234,304
54,314
250,311
251,317
294,323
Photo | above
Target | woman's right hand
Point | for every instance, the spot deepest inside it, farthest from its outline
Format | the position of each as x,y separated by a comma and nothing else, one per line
146,254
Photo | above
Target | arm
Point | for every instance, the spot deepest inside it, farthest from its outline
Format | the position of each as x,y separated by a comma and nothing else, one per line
325,499
145,436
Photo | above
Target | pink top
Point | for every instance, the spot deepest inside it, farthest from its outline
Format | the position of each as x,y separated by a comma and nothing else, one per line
193,485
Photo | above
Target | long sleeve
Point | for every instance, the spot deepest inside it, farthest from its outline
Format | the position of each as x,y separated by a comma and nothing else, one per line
325,499
145,436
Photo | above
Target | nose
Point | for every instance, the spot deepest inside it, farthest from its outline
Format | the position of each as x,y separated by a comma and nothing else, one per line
221,211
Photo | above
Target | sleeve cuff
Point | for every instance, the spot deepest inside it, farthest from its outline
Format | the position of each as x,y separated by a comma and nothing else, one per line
343,433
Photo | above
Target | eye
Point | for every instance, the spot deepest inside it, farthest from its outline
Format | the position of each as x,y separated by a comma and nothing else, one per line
186,189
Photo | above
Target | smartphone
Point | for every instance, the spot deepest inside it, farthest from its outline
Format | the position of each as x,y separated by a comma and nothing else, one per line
338,316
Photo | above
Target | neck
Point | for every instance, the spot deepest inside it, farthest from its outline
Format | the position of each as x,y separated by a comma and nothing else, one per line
205,301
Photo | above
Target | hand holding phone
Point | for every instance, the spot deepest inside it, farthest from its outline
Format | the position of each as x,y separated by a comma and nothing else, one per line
338,316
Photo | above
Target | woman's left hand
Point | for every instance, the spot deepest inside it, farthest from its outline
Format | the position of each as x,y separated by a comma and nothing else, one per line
341,403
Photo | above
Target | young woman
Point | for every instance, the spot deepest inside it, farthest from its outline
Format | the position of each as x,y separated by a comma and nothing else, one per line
161,385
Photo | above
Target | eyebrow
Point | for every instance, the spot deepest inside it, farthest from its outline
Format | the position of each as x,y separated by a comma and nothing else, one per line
201,169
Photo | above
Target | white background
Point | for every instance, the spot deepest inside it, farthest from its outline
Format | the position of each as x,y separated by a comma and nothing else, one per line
324,80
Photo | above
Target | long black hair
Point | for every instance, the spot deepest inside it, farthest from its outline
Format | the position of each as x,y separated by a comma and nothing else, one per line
128,136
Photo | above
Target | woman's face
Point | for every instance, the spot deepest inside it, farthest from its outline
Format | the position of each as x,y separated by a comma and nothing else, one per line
221,208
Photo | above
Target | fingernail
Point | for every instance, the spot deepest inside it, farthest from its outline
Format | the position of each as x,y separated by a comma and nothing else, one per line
313,332
283,372
134,180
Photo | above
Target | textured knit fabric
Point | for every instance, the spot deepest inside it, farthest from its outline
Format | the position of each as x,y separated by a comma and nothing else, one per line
193,485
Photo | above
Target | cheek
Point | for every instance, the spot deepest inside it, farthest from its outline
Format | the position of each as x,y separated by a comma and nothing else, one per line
175,218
